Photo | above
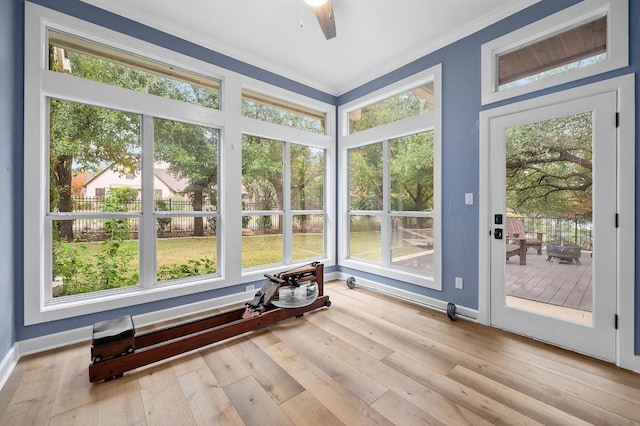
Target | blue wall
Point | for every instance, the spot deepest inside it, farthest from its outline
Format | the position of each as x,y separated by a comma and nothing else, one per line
461,107
10,123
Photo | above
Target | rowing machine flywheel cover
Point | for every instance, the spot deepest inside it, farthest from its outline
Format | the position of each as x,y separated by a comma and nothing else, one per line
296,295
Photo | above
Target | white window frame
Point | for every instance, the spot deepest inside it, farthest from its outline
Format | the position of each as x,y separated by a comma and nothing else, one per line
430,120
289,135
617,13
40,84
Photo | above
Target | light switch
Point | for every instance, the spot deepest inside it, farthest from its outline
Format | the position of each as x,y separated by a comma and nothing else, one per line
468,198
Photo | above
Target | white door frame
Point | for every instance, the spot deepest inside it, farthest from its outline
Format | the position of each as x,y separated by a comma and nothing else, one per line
625,86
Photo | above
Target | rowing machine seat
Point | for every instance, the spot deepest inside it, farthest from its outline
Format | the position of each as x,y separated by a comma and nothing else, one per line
113,330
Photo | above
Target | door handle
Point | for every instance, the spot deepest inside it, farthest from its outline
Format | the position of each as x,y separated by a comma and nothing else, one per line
497,233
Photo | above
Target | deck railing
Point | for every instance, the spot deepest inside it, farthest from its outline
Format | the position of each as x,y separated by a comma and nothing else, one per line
574,231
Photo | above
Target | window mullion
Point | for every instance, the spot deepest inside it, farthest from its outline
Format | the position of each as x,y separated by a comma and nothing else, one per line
385,220
287,245
147,236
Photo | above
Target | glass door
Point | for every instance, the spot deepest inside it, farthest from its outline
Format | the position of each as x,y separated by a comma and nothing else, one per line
553,247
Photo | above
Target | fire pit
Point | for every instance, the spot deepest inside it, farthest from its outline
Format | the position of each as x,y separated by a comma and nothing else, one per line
566,253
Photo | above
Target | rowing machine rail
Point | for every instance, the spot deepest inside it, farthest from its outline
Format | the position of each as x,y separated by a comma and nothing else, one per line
116,347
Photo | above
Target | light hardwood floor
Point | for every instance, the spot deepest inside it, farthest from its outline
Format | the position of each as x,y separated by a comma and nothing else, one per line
368,359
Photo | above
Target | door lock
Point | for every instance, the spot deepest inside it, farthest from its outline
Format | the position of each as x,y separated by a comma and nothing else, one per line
497,233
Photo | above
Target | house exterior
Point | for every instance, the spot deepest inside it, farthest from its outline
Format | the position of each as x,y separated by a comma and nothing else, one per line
461,172
165,184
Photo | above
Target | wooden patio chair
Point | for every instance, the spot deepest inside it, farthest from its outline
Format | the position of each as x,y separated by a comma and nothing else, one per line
516,234
517,247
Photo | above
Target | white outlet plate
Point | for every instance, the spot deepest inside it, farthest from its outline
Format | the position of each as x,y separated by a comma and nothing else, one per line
250,287
459,283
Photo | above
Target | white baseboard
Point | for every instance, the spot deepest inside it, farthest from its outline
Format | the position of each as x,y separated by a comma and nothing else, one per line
8,364
461,311
83,334
636,367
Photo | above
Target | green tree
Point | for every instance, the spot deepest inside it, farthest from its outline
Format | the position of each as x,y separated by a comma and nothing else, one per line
192,153
307,177
549,167
86,138
262,161
411,172
365,177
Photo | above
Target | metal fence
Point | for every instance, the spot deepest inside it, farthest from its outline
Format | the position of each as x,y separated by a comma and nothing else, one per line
573,231
168,227
95,204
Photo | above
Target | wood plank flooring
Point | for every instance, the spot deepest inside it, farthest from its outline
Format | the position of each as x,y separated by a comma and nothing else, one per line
369,359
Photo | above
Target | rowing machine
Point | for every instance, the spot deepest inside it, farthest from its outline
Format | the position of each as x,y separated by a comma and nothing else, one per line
117,348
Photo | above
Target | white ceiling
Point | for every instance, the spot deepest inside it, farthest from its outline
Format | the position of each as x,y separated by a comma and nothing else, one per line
373,36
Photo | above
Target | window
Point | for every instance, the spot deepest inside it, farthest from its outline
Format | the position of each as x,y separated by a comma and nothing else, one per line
406,104
272,110
92,252
133,187
410,195
281,223
263,180
586,39
578,47
186,223
87,59
123,128
392,193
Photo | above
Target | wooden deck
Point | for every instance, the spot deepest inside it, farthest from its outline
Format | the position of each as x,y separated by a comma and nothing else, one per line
369,359
553,282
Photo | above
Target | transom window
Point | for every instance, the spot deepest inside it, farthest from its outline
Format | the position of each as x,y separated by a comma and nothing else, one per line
277,111
403,105
586,39
575,48
94,61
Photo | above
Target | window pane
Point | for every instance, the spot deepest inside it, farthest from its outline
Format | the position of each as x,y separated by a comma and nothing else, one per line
308,236
307,178
261,240
404,105
272,110
412,243
94,61
186,169
412,172
91,151
182,250
577,47
365,177
262,178
365,239
102,256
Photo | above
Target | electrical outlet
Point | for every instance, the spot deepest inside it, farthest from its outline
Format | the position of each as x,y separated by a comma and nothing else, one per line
250,287
459,283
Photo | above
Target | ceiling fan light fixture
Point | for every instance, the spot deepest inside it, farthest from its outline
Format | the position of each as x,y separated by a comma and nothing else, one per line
315,3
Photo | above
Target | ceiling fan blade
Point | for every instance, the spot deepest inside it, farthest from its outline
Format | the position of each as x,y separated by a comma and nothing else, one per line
326,19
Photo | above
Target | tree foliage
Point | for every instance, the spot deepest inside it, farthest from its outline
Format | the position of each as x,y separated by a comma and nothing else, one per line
191,153
549,167
404,105
262,161
86,138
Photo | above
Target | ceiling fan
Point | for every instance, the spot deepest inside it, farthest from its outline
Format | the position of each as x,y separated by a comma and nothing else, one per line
326,18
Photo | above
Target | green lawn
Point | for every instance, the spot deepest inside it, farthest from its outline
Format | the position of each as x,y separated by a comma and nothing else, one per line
91,262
